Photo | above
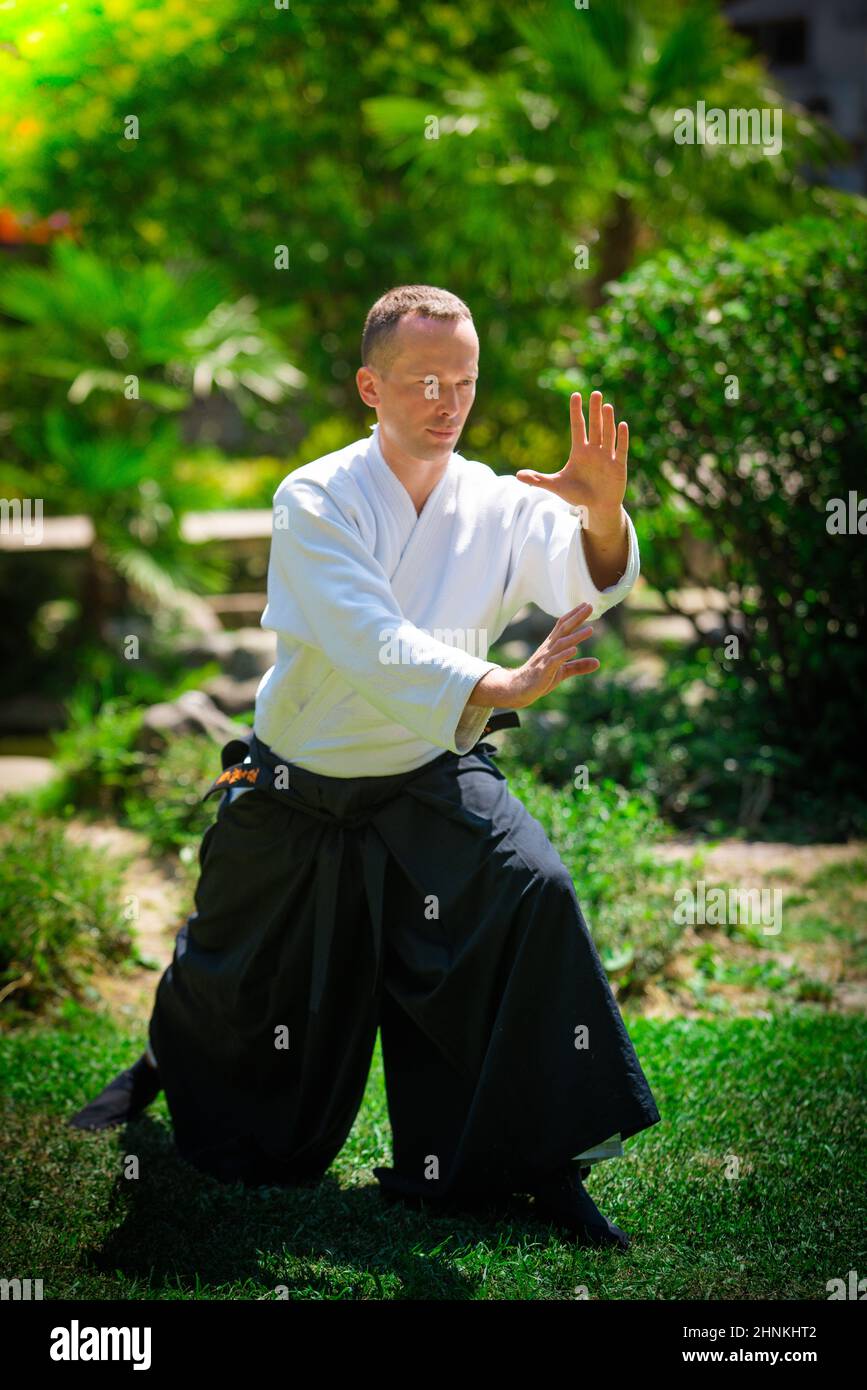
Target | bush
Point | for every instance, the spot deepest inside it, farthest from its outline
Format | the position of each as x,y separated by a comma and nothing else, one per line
779,317
156,793
101,770
165,801
60,912
605,837
95,753
708,763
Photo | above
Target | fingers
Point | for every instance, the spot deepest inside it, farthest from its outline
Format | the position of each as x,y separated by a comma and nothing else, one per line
572,619
569,642
579,668
576,419
608,429
604,432
596,417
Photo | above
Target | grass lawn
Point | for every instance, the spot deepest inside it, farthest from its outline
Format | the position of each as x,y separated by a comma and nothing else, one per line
776,1103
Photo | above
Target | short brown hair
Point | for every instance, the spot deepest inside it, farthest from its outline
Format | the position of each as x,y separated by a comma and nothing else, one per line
378,348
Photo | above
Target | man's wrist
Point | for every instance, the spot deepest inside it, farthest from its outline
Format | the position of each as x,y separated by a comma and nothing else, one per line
491,690
606,526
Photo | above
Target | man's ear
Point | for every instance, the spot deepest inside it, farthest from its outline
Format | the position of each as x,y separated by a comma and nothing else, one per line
366,381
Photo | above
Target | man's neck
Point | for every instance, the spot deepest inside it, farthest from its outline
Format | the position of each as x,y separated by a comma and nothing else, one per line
418,476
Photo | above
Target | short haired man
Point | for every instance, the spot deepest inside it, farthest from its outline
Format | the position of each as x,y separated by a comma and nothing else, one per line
369,866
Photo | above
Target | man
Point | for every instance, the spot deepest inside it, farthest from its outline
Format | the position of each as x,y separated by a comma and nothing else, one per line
368,866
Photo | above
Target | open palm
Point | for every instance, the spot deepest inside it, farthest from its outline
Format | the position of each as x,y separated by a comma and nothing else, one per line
594,475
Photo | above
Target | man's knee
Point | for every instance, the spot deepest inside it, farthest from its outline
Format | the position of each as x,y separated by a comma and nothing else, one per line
545,872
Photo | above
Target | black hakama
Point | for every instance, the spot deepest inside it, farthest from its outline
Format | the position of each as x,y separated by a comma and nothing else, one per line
430,904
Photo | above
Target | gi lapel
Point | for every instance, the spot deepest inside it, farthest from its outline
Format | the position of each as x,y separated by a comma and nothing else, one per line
410,581
408,577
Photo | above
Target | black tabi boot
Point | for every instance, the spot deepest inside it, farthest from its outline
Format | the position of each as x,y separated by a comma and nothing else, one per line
563,1200
122,1099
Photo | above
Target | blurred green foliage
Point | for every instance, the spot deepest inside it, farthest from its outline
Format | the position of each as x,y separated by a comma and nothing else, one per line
102,769
706,765
103,358
95,753
555,128
165,802
743,369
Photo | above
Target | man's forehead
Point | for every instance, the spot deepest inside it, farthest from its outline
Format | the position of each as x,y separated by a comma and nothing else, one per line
422,340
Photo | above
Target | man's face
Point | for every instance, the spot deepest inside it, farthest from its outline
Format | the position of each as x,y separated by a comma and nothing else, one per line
426,394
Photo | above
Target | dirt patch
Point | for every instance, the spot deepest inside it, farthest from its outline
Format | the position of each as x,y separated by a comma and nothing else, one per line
734,860
157,897
825,965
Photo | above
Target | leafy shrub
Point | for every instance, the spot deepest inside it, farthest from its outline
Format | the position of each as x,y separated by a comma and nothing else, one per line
60,912
159,674
707,763
101,769
156,793
605,837
780,316
165,801
95,753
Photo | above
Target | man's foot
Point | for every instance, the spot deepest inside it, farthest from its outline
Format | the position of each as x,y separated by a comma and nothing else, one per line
122,1099
564,1200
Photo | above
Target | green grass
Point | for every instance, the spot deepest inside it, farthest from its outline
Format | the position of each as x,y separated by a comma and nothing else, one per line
61,913
840,875
780,1100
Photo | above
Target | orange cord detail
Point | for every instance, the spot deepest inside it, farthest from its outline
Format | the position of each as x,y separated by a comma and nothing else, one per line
238,774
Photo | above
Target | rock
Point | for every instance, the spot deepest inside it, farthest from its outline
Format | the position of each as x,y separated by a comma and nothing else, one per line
553,719
243,654
238,610
24,774
194,712
671,628
252,652
206,647
231,696
645,672
197,614
515,652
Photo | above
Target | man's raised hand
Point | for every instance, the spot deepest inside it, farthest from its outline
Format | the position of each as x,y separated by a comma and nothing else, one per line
594,476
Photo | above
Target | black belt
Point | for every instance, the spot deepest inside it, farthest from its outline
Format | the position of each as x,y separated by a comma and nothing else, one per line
262,771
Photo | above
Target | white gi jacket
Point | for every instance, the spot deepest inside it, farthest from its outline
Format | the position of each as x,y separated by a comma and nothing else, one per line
384,617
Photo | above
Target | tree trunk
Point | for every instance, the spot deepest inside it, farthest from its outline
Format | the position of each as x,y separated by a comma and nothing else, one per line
616,247
96,595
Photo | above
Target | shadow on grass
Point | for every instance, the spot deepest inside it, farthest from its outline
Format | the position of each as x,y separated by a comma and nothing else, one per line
180,1225
752,1188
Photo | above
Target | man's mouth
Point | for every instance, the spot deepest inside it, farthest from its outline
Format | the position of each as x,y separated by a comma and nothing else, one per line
443,434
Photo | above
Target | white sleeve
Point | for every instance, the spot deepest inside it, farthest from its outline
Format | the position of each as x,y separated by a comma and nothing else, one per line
321,572
547,563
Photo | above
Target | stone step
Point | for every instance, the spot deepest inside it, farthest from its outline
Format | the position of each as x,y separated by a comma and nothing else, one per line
237,610
19,774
